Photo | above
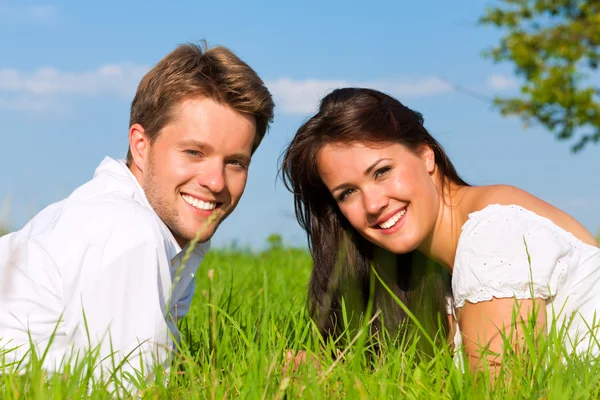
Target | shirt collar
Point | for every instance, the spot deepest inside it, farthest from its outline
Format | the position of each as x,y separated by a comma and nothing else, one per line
119,170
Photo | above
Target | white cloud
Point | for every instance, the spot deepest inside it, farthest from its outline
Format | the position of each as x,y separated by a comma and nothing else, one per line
303,96
500,82
39,105
25,104
36,13
45,89
37,90
40,89
300,97
42,13
120,79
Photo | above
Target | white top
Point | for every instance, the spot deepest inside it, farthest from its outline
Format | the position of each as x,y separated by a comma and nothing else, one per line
496,247
105,251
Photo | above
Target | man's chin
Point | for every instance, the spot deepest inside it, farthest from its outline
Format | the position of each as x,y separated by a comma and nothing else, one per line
204,232
200,231
200,235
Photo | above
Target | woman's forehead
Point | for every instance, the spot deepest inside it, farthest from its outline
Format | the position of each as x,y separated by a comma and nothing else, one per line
357,152
338,160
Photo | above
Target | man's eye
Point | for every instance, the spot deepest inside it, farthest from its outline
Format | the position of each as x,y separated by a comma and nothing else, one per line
193,152
237,164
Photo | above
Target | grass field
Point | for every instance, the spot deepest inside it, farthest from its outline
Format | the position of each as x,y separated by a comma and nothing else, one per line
249,309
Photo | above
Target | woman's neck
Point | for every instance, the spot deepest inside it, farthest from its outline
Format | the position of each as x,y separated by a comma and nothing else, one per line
441,243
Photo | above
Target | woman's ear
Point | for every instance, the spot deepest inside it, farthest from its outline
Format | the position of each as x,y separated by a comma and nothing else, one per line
428,157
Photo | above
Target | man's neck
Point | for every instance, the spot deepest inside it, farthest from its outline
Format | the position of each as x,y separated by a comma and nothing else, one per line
136,172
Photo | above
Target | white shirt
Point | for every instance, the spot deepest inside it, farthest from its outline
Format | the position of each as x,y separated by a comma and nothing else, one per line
103,251
507,251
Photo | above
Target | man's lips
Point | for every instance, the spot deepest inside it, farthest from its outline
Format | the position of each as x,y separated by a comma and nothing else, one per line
200,203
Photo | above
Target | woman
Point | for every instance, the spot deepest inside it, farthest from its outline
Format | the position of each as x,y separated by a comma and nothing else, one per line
373,187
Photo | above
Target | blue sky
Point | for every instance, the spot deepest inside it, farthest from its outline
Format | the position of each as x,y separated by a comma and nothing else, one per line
69,69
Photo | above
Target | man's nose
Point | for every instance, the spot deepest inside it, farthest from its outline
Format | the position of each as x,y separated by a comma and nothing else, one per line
212,176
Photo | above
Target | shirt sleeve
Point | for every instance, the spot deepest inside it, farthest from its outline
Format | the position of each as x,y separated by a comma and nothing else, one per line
123,294
30,298
506,255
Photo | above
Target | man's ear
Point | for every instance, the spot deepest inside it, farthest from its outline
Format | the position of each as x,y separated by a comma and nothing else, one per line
428,157
139,146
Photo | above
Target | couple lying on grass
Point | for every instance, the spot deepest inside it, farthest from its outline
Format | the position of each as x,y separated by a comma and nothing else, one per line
391,226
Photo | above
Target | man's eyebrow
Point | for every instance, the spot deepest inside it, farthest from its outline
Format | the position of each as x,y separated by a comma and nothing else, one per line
195,143
243,157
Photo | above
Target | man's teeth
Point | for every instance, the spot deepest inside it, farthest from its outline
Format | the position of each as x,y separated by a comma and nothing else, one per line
203,205
392,221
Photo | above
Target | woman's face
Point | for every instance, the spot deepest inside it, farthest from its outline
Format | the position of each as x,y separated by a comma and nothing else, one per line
386,192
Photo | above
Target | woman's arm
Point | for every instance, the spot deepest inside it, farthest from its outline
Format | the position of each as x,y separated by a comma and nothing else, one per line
486,324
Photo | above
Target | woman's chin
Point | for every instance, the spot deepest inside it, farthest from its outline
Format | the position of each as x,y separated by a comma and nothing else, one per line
397,246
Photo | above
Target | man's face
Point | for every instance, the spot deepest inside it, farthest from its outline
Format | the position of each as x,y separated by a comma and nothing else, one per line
195,172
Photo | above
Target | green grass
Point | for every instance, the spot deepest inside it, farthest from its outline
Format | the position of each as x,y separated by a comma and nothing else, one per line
251,308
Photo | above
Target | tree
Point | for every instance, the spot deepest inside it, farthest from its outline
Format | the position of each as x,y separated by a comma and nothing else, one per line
553,45
275,241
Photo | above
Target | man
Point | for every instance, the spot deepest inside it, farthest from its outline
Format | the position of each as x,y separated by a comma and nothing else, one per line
103,267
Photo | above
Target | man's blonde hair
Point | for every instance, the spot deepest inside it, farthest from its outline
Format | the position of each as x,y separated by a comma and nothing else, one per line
187,72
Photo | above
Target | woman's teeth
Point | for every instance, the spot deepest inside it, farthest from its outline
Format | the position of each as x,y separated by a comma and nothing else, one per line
392,221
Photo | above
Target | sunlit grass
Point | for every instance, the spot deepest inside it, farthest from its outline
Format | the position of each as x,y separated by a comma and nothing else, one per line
249,311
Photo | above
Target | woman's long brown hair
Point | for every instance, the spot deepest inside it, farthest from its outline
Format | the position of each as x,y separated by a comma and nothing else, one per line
342,258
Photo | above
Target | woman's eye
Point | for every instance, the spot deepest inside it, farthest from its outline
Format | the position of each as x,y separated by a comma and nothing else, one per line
344,195
381,172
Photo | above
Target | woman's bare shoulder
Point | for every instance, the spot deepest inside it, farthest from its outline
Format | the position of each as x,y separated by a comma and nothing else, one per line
482,196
